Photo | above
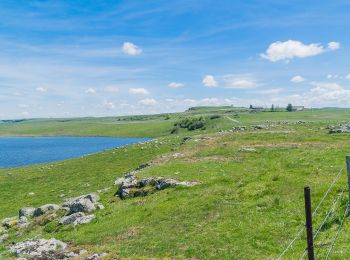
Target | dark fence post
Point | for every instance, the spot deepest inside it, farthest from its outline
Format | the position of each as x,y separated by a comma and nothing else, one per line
308,225
348,171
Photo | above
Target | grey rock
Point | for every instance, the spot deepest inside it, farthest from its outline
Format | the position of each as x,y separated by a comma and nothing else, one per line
142,166
26,212
3,238
2,230
76,219
84,220
127,180
44,209
23,222
84,203
37,248
9,222
99,206
71,218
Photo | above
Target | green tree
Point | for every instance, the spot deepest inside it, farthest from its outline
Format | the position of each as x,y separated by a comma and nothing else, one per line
289,108
272,108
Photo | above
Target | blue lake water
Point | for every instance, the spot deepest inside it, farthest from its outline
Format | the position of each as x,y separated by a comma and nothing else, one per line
20,151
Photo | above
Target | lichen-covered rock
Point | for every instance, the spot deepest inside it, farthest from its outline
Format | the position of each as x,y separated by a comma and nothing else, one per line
85,203
132,187
38,248
345,129
9,222
23,222
76,219
44,209
127,180
84,219
162,183
3,238
26,212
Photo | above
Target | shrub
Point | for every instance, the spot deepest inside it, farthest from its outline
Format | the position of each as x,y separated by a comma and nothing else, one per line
190,123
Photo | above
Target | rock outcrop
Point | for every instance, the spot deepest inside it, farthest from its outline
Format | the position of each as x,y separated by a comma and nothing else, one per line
130,186
38,248
76,219
85,203
44,209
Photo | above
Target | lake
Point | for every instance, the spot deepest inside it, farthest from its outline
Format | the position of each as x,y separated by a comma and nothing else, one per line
20,151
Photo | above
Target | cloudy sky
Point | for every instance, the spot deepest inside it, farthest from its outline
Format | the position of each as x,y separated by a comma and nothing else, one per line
101,58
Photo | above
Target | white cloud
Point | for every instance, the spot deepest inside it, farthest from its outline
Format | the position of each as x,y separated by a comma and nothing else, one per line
175,85
108,105
347,76
23,105
240,83
295,49
112,89
297,79
90,91
332,76
131,49
209,81
138,91
41,89
148,102
333,45
25,113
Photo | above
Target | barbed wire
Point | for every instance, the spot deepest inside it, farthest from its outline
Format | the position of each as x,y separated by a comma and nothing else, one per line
338,231
314,214
331,210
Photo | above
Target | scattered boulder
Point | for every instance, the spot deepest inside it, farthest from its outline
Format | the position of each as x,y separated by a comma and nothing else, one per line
3,238
344,129
76,219
26,212
257,127
44,209
2,230
71,218
186,139
84,219
22,222
128,180
142,166
132,187
38,248
239,128
10,222
84,203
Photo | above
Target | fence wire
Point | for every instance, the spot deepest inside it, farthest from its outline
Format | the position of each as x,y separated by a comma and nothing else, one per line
314,214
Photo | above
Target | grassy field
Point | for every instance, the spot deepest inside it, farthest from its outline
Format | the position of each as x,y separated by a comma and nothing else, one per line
249,205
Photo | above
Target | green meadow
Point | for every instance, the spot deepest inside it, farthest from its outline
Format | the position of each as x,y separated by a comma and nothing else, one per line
250,202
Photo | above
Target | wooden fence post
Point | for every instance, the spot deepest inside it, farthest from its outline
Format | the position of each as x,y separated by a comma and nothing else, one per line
348,172
308,224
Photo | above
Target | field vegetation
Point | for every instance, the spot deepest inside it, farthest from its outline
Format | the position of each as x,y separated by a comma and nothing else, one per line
249,205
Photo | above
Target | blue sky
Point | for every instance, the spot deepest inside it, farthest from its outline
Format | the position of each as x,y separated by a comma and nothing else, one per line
102,58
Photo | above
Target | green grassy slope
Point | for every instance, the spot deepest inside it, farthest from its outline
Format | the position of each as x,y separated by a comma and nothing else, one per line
249,206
